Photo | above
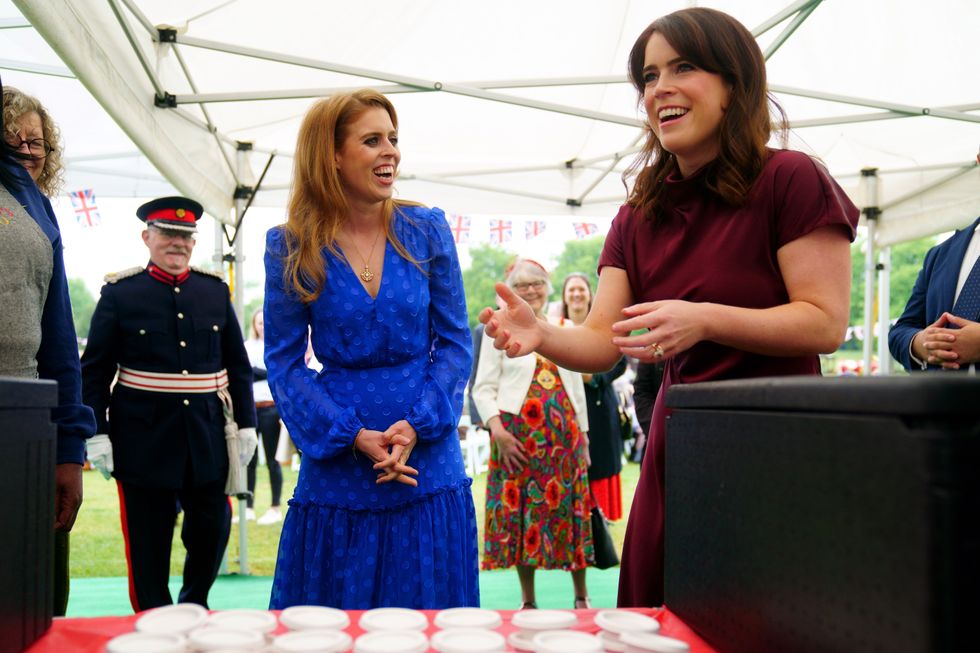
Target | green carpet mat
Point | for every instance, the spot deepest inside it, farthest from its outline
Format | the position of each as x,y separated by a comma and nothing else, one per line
499,590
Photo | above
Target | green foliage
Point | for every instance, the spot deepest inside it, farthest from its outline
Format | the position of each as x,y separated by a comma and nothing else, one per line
82,306
578,256
486,268
907,259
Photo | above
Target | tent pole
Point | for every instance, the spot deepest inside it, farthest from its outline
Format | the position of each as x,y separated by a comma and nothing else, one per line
869,187
884,317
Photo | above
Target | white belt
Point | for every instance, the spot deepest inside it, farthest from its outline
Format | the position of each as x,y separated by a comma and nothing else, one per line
176,383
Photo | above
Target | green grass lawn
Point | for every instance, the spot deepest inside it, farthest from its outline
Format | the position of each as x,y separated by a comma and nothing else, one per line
97,543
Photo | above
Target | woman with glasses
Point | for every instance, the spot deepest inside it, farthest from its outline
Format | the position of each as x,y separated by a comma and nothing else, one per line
538,505
37,334
34,138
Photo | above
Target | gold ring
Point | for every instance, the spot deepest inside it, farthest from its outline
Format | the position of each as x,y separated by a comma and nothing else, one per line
656,350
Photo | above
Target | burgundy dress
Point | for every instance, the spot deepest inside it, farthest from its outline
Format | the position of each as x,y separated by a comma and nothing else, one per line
706,251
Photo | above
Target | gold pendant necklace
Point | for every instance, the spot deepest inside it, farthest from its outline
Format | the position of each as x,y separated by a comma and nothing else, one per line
366,275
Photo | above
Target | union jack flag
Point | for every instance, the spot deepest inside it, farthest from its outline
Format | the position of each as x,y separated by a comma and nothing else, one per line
86,212
460,226
585,229
533,228
501,232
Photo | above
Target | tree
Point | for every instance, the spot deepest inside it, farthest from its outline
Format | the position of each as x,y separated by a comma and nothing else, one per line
487,265
578,256
82,306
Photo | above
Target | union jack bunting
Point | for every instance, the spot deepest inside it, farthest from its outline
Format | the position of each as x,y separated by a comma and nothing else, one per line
585,229
86,212
460,226
533,228
501,232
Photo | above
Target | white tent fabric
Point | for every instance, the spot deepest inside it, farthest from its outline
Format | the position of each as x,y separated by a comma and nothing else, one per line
550,123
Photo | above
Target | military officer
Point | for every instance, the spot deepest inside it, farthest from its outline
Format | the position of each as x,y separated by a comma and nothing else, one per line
169,336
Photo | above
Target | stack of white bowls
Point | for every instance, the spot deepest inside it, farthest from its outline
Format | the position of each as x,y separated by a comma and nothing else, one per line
530,623
392,630
468,630
616,623
653,643
313,629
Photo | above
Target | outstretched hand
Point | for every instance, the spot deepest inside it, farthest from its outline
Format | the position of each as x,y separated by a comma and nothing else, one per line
513,327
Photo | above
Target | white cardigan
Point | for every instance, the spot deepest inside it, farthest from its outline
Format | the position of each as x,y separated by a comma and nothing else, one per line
502,384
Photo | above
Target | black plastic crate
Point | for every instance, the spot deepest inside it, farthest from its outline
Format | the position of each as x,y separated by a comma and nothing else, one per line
27,451
809,514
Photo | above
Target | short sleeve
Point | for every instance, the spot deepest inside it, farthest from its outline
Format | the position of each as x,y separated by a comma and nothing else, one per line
613,253
806,198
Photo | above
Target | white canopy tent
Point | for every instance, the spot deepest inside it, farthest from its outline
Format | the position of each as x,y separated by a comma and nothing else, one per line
508,107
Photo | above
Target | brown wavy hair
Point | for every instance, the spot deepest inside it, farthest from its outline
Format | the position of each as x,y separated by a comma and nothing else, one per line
715,42
17,104
317,206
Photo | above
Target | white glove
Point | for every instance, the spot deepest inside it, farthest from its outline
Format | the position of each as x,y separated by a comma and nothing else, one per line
247,442
99,449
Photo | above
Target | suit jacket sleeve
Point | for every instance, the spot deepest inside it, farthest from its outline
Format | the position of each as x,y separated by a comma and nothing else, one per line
914,318
99,362
235,360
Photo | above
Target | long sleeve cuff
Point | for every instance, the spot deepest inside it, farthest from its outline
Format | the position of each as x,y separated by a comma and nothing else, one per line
70,449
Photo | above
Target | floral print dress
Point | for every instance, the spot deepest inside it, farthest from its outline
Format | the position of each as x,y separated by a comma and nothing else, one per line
539,516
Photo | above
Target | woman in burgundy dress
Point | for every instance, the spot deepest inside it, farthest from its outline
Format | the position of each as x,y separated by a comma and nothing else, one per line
729,259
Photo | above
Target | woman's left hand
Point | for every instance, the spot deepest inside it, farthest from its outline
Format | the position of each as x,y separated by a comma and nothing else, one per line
672,326
402,438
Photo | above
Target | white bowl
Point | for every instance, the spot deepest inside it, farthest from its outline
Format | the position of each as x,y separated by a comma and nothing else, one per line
172,619
468,618
312,641
644,642
625,621
147,643
566,641
213,638
401,619
544,619
392,641
468,640
610,641
307,617
259,621
520,640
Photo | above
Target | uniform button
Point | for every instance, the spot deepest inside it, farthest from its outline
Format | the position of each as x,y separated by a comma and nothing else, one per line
142,332
183,343
180,316
215,327
176,290
184,372
187,402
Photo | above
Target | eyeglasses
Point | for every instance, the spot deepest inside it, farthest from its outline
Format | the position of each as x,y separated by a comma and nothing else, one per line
524,285
37,147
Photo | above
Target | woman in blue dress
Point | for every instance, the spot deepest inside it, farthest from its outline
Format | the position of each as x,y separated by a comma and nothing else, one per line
382,514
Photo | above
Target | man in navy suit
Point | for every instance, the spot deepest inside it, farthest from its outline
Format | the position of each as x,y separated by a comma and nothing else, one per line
939,328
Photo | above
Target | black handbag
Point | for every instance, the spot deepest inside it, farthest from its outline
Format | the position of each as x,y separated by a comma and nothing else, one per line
602,544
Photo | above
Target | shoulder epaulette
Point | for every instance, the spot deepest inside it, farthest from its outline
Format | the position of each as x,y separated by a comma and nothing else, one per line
217,274
113,277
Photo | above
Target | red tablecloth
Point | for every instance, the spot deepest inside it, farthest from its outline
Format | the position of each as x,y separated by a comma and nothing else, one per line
90,635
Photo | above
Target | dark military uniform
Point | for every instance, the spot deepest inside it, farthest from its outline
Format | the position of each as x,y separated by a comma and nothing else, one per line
165,334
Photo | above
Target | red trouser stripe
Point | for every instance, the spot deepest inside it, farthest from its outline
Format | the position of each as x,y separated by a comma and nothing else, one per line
129,560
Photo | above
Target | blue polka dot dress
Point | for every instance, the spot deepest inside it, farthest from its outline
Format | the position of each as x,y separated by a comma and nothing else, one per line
346,541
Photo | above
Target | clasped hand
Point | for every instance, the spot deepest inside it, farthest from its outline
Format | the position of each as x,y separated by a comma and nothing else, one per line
390,451
950,341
